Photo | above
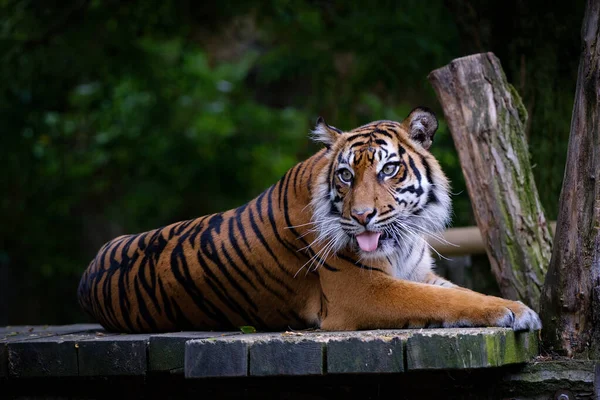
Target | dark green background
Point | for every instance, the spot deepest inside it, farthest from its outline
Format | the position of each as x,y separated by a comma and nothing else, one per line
122,116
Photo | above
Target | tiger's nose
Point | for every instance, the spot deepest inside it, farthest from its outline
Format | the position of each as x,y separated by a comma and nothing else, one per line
363,216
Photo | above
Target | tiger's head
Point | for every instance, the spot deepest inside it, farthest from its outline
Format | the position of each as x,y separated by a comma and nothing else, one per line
382,190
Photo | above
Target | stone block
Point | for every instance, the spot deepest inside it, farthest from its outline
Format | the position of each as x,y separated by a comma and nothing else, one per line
119,355
286,356
207,358
467,348
167,350
356,355
48,356
35,351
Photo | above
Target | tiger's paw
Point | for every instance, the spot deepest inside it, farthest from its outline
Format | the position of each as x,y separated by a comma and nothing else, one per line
515,315
499,312
524,318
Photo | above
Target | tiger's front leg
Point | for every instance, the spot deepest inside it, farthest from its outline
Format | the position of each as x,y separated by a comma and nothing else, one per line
356,301
434,279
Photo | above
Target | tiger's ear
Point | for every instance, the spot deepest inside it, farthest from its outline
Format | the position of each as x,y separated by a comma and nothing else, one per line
324,133
421,125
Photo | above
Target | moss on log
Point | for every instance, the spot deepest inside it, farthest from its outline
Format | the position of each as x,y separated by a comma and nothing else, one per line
487,120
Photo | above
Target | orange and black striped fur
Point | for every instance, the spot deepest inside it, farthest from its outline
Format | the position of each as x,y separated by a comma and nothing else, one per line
338,243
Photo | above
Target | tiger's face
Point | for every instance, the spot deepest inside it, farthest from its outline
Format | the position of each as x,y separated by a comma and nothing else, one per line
382,190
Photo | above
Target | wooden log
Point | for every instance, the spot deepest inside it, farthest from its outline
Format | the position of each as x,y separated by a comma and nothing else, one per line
463,241
487,120
571,297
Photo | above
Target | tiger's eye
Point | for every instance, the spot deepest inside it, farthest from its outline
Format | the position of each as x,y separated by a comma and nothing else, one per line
389,169
345,175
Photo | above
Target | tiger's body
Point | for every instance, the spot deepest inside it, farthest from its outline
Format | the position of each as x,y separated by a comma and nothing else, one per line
338,243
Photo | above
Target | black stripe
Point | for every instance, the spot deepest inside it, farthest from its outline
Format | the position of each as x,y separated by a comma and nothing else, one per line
286,215
283,182
260,237
251,267
208,249
150,257
359,135
382,132
143,310
223,268
386,212
276,279
259,204
167,304
113,267
199,226
431,197
297,169
182,275
240,255
416,264
381,221
240,226
357,144
293,250
221,292
142,241
360,265
181,321
421,256
124,303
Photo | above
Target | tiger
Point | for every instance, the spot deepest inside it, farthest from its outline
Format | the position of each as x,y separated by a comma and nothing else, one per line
338,243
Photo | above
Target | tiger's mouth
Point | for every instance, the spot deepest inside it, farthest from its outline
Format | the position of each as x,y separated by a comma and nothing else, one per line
370,241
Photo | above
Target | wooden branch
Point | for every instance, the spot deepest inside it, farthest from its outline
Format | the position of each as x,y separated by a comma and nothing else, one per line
487,120
463,241
571,296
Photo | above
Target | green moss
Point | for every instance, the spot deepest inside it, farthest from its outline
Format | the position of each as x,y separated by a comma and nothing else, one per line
518,103
510,348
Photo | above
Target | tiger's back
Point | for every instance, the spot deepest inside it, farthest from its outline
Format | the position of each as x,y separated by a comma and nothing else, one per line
219,271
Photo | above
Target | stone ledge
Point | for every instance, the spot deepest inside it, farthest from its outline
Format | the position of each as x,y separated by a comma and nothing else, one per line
380,351
86,350
469,348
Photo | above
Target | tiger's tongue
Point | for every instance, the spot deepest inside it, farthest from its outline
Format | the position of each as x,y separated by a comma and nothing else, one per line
368,241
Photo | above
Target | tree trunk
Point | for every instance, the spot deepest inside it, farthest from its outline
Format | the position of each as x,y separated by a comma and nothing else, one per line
571,296
538,43
487,121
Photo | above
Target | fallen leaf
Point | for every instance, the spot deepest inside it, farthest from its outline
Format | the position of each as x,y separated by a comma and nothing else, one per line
248,329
